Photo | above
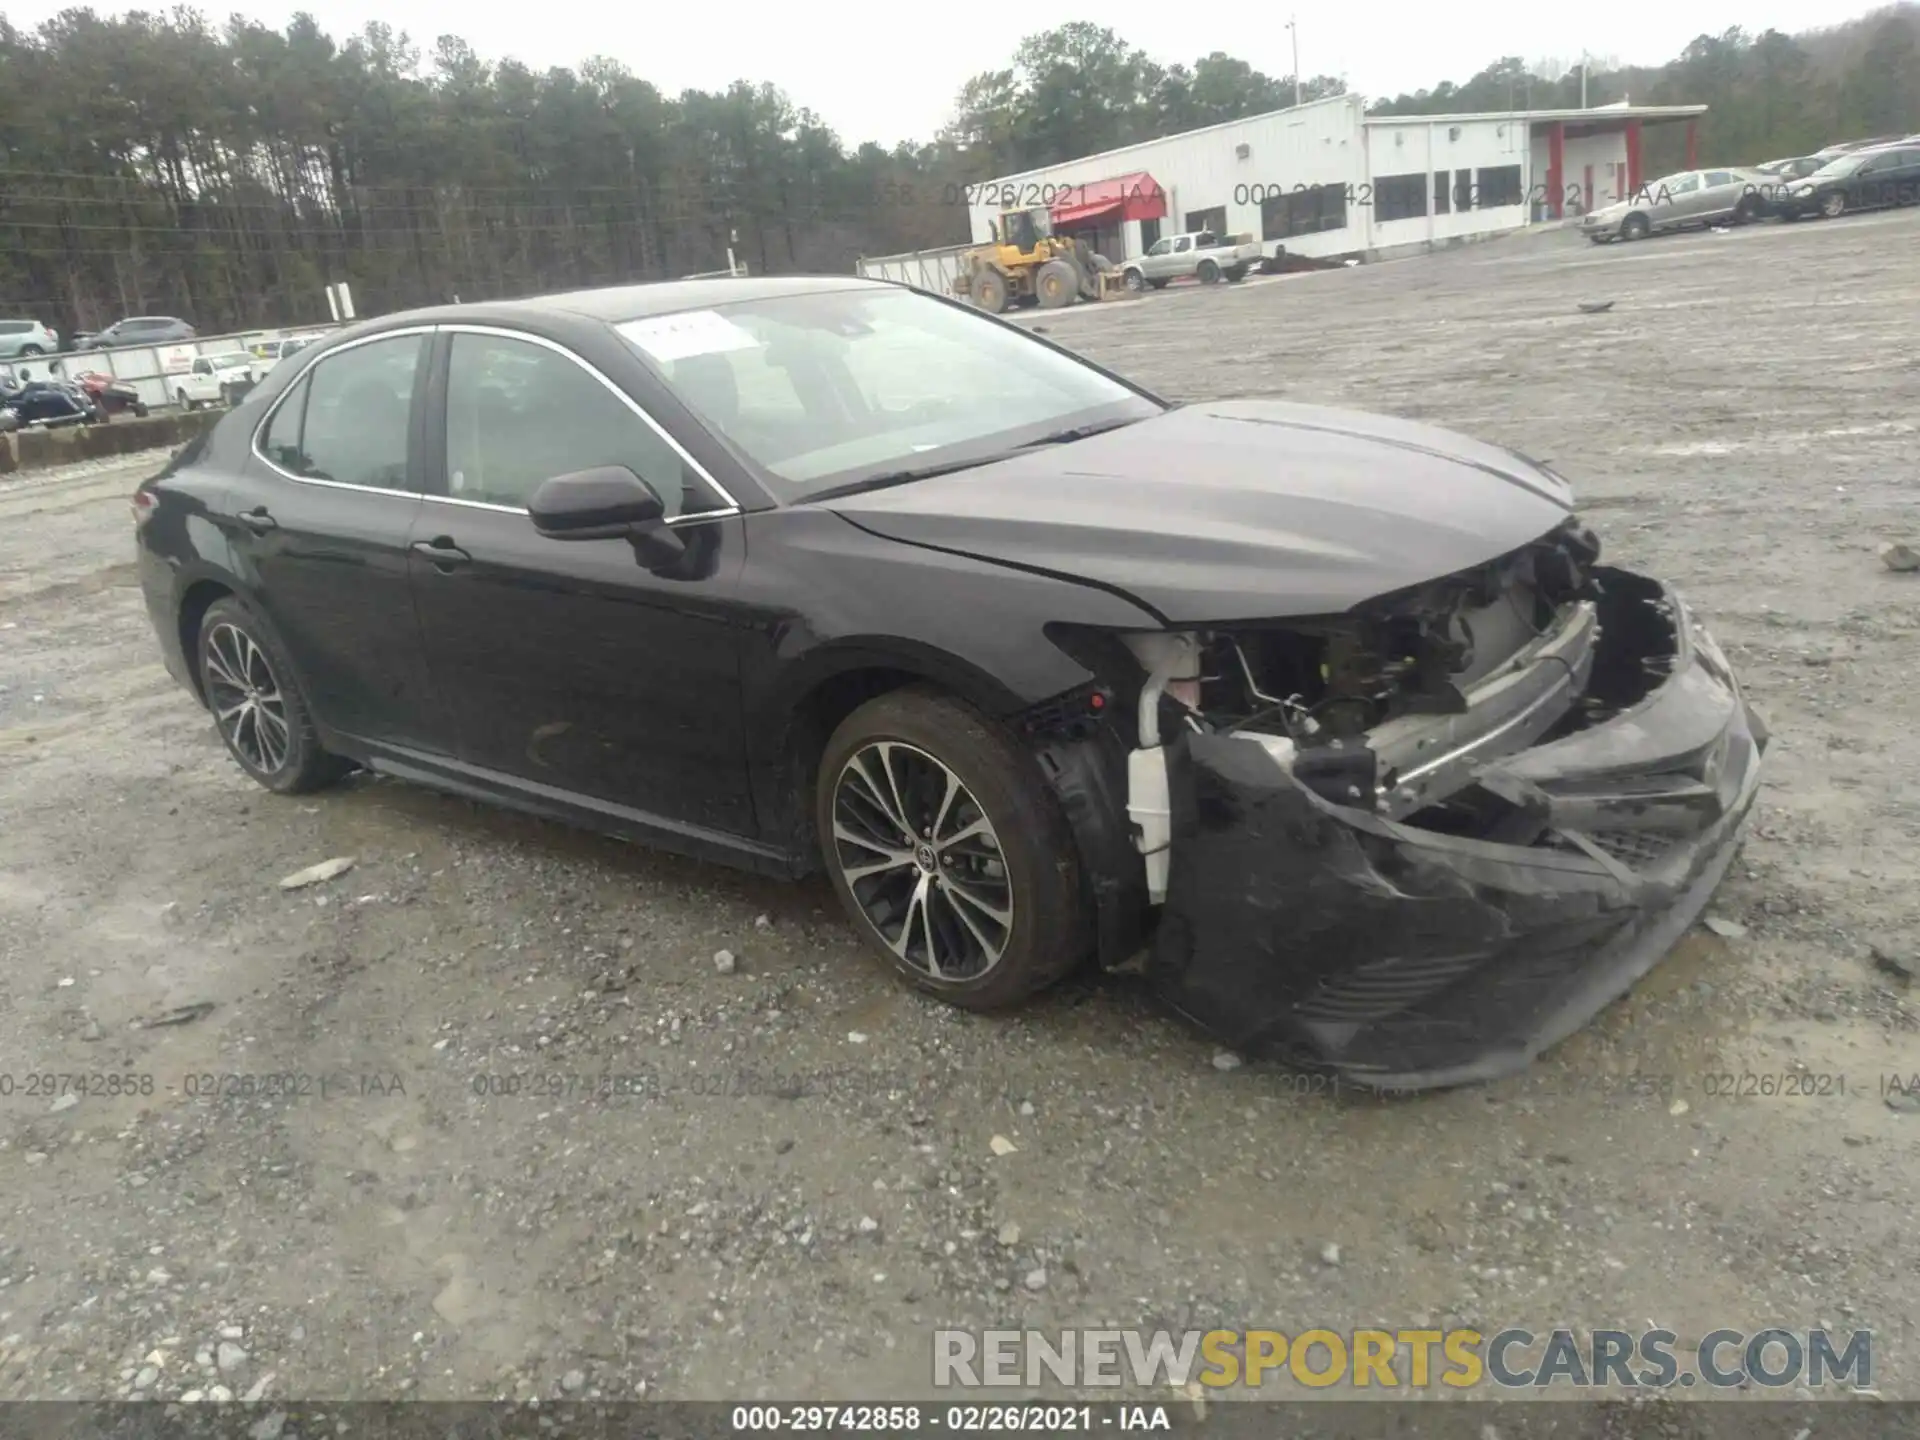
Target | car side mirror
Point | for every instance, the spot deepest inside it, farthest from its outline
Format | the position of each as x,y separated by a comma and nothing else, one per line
607,503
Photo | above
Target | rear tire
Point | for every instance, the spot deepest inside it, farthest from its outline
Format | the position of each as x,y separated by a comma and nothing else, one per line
1158,284
1209,273
185,403
257,705
1236,274
965,880
26,350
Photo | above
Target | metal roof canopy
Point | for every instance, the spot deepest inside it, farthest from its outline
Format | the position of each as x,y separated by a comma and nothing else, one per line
1137,197
1597,114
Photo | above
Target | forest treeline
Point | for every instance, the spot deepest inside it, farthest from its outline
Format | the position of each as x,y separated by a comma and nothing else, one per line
159,163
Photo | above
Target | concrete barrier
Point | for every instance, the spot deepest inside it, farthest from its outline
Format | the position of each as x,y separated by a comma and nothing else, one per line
39,449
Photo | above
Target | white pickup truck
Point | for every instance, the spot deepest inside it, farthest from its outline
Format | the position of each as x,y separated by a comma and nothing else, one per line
213,379
1199,255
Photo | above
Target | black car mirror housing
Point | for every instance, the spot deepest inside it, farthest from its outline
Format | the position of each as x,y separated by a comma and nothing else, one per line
609,502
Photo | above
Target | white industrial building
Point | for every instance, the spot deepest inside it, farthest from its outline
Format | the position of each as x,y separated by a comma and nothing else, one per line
1328,180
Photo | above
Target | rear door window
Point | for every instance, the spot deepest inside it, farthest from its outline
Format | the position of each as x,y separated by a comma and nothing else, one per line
354,417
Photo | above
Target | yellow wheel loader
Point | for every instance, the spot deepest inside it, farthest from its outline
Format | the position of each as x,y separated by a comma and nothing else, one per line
1027,264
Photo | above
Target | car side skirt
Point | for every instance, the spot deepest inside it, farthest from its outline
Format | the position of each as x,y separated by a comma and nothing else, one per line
473,782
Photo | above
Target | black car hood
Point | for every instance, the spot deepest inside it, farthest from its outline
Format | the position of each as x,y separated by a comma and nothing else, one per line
1237,510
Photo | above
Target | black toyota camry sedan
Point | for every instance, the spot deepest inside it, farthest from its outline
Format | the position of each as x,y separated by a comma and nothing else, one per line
1332,725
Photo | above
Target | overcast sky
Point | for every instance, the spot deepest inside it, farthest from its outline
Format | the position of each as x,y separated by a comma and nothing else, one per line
890,72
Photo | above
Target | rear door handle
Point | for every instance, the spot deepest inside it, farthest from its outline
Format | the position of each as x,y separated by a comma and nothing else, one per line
258,520
442,552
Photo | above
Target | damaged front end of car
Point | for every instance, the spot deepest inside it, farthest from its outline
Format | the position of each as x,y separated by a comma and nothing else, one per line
1417,843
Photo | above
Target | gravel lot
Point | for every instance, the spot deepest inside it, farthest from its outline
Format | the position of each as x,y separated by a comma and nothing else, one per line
1742,421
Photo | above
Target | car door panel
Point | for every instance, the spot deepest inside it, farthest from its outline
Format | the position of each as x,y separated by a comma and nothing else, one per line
570,666
568,663
327,560
331,575
1684,201
1719,194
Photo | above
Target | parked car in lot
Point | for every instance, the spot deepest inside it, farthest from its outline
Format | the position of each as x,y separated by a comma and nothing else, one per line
1847,147
1857,180
21,338
273,351
1199,255
1682,201
215,379
290,348
1337,717
141,330
1796,168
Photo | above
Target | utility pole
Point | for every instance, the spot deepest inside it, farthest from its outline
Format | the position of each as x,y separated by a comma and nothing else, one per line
1294,30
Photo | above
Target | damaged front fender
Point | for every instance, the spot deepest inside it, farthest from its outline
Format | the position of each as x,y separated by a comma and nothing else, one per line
1403,957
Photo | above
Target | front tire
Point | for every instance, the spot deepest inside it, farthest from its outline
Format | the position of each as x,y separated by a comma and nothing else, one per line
948,850
1834,205
257,706
989,291
1056,284
1635,227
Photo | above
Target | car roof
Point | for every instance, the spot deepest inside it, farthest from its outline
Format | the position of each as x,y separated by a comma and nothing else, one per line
621,303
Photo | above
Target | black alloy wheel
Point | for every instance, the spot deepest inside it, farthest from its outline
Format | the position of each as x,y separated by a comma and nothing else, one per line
949,851
257,706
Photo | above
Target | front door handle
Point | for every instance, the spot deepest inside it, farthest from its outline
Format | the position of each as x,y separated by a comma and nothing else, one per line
258,520
442,552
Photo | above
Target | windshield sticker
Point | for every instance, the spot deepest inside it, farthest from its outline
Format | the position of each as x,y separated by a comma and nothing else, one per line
679,337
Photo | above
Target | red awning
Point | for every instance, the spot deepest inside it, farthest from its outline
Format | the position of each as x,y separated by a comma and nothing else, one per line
1129,197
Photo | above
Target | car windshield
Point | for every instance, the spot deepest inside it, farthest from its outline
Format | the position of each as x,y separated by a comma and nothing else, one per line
1841,165
849,386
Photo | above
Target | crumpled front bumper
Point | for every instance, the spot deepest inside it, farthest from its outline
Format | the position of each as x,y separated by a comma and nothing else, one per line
1405,958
